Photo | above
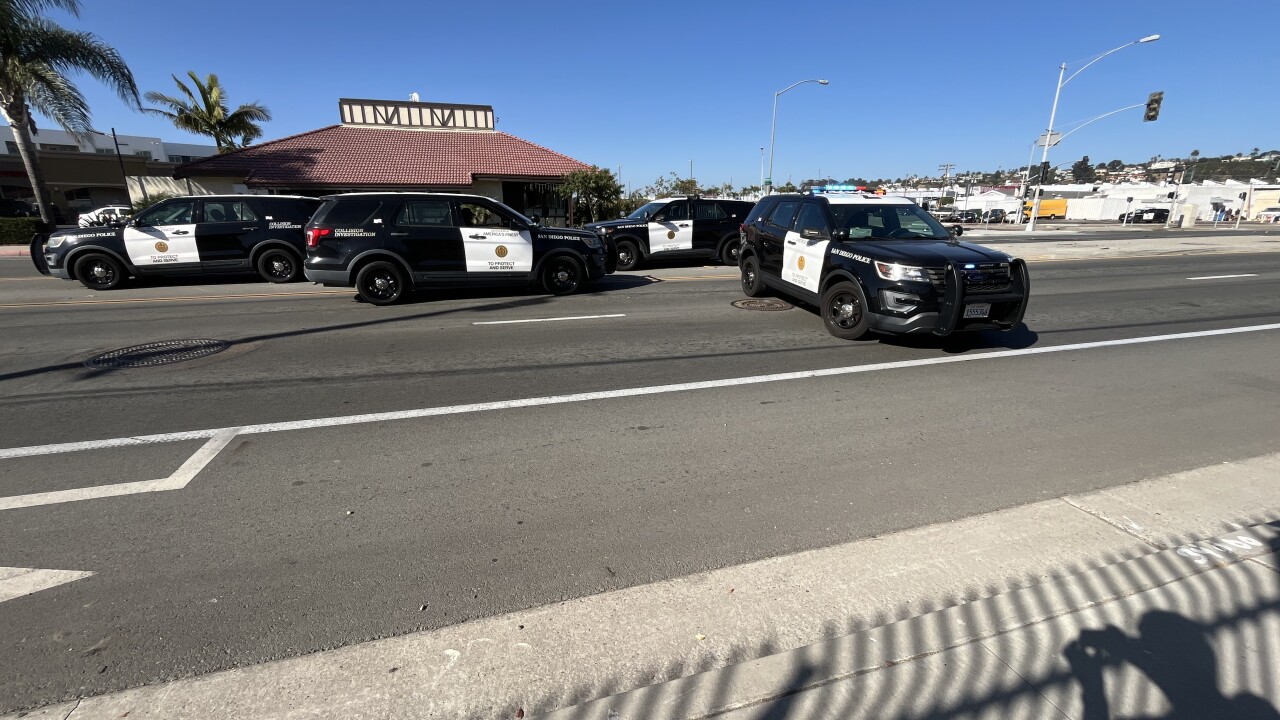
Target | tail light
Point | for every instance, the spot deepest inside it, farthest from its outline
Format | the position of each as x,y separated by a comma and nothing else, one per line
314,235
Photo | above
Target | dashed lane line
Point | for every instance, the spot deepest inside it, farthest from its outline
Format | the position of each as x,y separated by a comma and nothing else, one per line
343,420
1223,277
554,319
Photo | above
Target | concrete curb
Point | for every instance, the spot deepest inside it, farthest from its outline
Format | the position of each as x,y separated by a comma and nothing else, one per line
14,251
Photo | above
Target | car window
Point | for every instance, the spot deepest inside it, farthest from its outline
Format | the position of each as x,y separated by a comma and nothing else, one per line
178,212
650,208
227,211
812,216
477,215
424,212
353,211
708,211
675,211
784,214
888,221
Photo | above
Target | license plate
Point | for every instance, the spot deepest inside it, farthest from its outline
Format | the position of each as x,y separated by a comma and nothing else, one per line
977,310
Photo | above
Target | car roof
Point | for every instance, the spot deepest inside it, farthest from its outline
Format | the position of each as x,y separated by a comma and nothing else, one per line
866,199
413,193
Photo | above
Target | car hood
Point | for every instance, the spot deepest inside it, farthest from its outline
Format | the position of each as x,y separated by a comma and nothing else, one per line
85,233
929,253
619,223
542,231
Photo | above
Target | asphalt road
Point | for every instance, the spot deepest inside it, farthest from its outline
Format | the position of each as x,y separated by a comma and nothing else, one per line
294,541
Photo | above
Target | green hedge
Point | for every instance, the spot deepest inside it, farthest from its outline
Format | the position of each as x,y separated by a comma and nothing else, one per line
17,231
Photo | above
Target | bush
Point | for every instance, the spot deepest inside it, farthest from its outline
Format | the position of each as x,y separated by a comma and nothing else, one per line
155,198
18,231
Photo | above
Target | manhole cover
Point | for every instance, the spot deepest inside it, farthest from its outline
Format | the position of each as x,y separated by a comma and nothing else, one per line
165,352
762,304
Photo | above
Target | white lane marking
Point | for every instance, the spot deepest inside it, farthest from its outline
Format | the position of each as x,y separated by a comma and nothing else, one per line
533,320
178,480
1223,277
16,582
342,420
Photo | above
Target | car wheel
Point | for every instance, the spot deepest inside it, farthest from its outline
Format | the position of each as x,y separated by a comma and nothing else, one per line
380,283
752,282
99,272
844,311
628,255
729,252
562,275
279,266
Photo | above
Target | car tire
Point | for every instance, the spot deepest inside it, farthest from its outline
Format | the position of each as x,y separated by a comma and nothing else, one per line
752,281
628,255
729,251
97,271
278,265
562,275
381,283
844,310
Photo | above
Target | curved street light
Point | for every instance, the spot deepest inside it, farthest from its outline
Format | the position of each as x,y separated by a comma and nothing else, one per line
774,125
1053,114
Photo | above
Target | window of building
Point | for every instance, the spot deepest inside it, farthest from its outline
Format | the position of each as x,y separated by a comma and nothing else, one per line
59,148
11,146
105,151
78,194
143,154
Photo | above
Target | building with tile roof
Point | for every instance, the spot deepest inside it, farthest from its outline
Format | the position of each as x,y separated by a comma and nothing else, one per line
399,145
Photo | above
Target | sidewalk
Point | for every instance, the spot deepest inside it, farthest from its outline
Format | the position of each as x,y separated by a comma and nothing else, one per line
14,251
999,615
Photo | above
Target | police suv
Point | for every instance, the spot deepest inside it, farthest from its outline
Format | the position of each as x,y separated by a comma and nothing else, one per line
387,244
679,227
880,263
183,236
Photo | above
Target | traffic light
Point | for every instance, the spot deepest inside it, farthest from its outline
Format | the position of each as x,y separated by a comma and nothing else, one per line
1153,107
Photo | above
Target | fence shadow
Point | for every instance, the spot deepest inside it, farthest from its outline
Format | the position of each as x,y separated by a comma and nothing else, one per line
1188,631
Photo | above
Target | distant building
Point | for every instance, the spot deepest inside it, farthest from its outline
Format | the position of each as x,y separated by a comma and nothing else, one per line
85,175
400,145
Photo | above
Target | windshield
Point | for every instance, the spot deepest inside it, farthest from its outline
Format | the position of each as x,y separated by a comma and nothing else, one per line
651,208
888,222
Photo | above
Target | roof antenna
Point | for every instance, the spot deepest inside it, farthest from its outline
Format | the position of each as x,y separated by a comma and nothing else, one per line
413,97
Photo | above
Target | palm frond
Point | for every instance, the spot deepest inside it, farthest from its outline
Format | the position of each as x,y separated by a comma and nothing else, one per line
53,95
69,51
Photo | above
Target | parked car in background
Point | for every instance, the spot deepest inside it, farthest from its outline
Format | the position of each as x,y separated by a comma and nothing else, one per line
675,228
1145,215
13,208
196,235
994,215
1270,215
109,215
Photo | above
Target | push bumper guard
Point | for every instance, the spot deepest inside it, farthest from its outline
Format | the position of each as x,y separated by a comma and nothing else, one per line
953,301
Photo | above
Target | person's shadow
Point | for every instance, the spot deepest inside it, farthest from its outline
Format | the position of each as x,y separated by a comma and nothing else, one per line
1174,652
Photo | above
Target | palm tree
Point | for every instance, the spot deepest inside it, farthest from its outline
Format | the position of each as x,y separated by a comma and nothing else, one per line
36,56
204,112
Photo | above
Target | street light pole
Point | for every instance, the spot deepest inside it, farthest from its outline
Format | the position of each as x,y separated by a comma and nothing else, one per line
773,126
1053,114
762,169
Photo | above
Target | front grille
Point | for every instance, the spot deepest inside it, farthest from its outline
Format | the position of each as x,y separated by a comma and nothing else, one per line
995,279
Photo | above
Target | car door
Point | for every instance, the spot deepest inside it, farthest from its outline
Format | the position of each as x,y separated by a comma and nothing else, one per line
227,230
671,229
805,248
495,242
162,237
773,232
709,225
426,235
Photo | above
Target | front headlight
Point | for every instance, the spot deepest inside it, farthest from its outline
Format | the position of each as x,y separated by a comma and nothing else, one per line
593,241
54,242
896,272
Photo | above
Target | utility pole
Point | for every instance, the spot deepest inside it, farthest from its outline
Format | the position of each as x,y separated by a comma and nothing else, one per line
946,172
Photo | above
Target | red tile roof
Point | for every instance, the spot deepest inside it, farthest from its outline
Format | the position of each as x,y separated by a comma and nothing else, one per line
343,156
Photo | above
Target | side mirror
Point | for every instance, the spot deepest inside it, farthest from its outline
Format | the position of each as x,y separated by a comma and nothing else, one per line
957,230
645,215
536,220
840,235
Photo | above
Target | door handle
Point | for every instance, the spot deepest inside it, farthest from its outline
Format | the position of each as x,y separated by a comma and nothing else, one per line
181,232
251,227
477,237
791,242
684,224
398,234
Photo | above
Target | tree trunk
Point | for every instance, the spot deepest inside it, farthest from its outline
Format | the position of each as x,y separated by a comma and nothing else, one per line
18,115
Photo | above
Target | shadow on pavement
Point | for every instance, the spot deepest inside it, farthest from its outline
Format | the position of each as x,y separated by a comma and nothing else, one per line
1186,631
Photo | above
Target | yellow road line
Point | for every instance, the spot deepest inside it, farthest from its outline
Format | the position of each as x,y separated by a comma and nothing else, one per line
177,299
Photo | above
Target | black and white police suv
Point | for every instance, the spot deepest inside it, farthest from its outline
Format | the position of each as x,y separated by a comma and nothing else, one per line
871,262
679,227
387,244
184,236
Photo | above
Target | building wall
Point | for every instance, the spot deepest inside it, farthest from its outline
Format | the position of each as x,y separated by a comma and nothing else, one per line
153,186
153,148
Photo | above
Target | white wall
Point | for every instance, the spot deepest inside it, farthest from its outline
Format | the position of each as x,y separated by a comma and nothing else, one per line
129,144
193,186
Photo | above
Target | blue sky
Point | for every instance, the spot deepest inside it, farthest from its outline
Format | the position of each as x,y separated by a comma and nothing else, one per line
651,86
